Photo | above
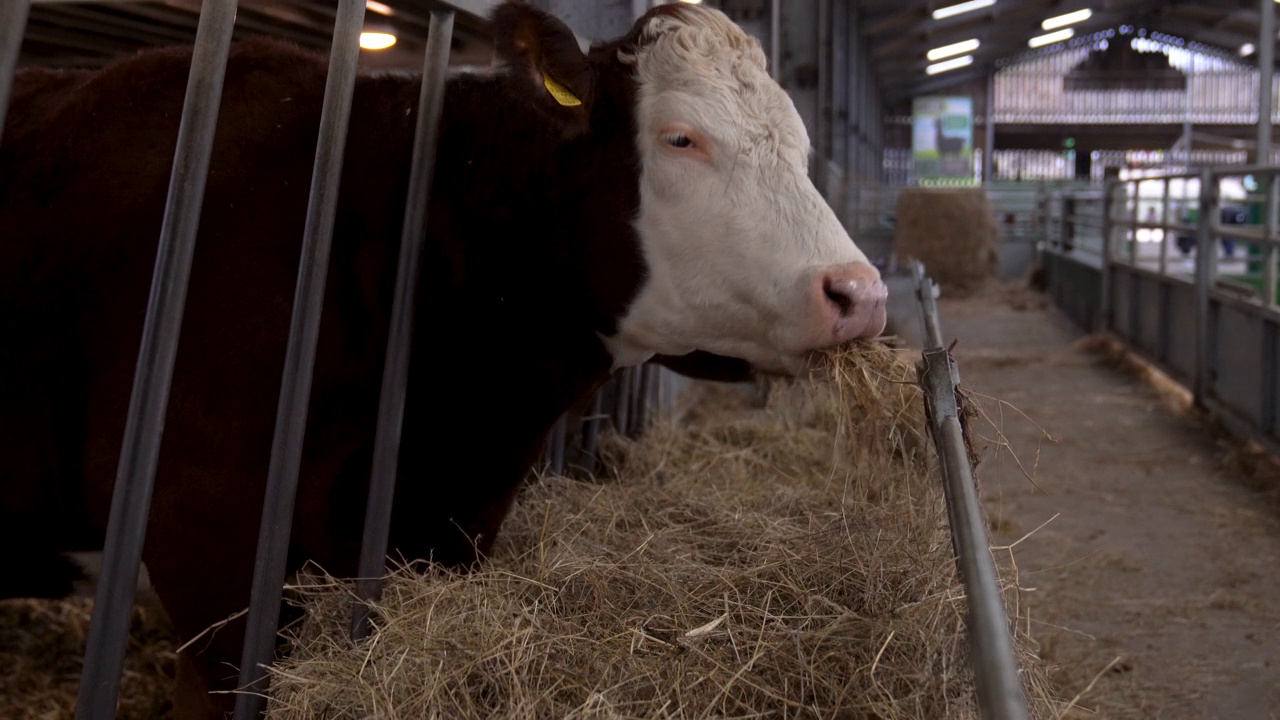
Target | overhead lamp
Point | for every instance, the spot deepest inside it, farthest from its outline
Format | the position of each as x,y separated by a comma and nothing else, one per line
380,8
964,46
1070,18
965,7
699,2
1051,38
377,40
951,64
1247,49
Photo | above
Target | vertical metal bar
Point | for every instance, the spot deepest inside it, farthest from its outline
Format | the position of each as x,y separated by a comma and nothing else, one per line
990,129
13,21
622,408
1164,228
1269,248
135,474
1206,255
395,373
299,364
1133,223
1108,255
775,39
1266,74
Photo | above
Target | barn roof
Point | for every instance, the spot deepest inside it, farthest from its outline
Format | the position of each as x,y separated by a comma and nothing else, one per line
898,33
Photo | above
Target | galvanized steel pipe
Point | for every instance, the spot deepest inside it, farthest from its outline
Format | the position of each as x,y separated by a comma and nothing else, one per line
153,374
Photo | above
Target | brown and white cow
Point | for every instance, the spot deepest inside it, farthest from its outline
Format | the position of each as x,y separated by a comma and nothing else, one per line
646,199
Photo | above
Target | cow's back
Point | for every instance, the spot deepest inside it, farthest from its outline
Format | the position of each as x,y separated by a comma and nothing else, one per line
85,165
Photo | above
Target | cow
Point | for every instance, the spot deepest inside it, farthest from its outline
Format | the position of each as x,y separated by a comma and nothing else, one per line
646,198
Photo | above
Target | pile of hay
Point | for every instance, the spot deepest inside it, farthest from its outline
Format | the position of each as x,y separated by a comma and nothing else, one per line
790,560
41,649
953,231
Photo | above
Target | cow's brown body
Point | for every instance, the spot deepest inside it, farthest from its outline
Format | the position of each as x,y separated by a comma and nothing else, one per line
528,257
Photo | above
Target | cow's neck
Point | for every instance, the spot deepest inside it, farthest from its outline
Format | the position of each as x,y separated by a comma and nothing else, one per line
530,255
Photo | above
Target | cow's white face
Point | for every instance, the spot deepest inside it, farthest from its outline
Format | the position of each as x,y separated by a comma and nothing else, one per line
744,256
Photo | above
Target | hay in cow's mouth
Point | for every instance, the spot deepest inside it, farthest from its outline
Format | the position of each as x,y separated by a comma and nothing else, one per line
785,559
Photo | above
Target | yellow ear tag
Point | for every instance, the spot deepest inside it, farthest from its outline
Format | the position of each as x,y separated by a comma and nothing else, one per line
559,92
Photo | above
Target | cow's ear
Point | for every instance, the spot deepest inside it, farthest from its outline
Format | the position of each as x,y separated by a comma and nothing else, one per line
538,48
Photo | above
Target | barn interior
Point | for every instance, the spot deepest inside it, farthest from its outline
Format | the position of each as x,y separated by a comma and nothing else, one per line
1098,178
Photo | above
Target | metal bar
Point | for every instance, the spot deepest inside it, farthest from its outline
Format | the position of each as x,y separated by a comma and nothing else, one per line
990,130
13,21
1272,220
1266,74
395,374
1000,695
1206,254
1164,231
295,390
153,374
926,293
1108,256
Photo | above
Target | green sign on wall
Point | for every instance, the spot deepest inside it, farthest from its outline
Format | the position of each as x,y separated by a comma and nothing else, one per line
942,140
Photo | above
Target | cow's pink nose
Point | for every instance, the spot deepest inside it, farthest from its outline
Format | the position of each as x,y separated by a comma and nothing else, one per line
855,301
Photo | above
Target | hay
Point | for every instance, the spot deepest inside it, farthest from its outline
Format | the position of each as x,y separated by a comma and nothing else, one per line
790,560
954,232
41,646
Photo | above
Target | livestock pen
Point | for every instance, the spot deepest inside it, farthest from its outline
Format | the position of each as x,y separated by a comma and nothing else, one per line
636,396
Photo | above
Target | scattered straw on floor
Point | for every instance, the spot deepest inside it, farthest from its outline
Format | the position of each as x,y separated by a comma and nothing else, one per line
790,560
41,646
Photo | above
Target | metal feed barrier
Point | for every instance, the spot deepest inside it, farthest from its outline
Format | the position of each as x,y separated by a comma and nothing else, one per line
627,403
995,667
1182,266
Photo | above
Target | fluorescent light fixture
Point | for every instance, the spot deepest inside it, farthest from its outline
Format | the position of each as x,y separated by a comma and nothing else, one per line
380,8
699,2
1051,38
376,40
1070,18
965,7
1247,49
951,64
952,49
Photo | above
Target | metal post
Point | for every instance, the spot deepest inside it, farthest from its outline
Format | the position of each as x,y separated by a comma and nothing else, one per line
1266,73
990,129
1164,228
13,21
395,373
135,474
1108,229
1273,210
775,39
1206,259
295,390
1000,695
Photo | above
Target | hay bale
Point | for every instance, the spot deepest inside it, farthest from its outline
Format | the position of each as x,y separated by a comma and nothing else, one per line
788,560
953,231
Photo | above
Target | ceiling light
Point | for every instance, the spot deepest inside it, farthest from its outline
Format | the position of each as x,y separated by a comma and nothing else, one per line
951,64
1051,38
1070,18
952,49
376,40
380,8
965,7
1247,49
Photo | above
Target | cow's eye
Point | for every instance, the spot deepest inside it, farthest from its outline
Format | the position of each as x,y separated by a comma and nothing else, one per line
680,141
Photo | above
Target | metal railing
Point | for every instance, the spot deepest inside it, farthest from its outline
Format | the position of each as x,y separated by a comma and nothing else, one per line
995,667
1186,274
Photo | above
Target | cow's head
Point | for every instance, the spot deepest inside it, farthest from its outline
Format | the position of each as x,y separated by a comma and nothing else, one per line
743,256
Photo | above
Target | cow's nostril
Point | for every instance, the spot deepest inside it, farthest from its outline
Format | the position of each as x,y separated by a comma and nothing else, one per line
840,293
